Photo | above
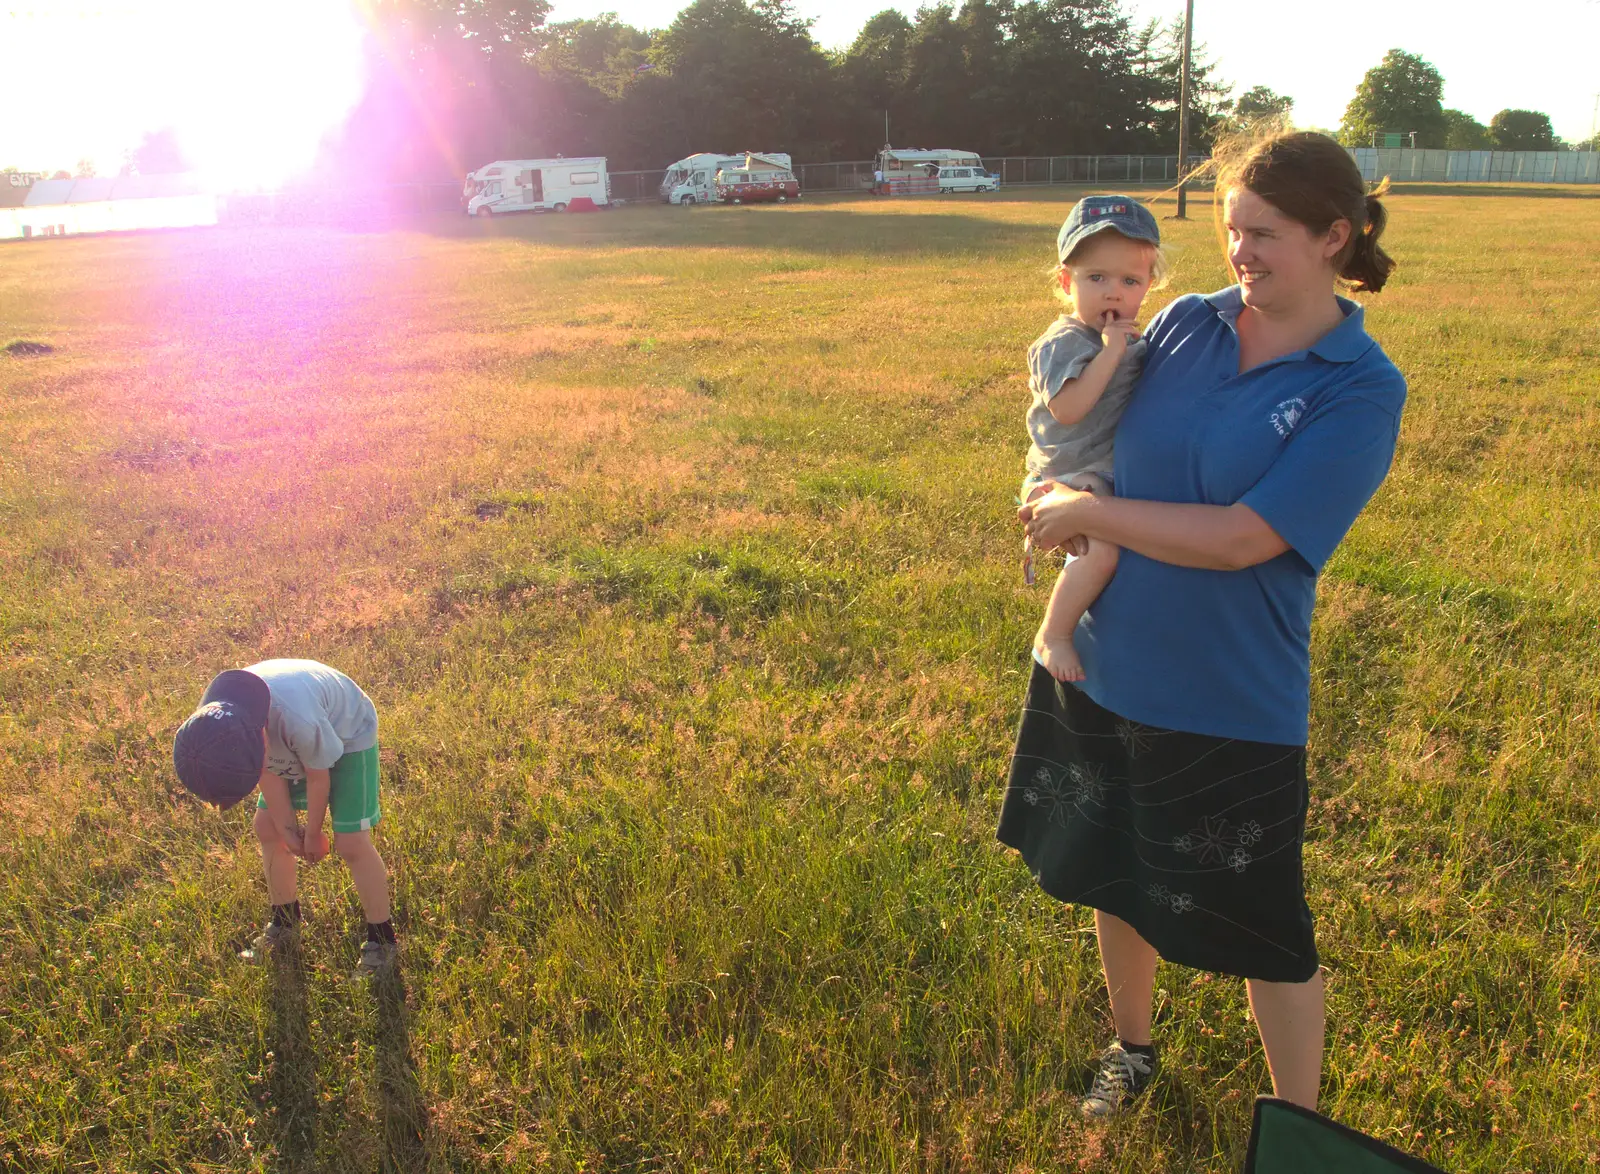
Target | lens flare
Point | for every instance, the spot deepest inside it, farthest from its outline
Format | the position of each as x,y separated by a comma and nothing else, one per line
250,91
270,82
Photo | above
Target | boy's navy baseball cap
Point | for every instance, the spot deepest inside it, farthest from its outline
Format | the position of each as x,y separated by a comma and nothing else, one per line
1094,214
218,751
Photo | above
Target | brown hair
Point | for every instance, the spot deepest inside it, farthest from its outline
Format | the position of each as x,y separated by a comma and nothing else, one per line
1313,180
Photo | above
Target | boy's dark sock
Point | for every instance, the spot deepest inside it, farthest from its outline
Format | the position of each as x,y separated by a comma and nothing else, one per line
1147,1051
380,931
287,915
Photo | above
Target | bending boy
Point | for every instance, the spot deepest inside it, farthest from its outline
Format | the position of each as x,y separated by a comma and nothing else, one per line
307,737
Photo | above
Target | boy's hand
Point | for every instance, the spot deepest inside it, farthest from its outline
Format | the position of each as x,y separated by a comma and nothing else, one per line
316,844
291,837
1116,333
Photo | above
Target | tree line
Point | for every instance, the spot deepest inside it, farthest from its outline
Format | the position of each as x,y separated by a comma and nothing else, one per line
1403,95
460,82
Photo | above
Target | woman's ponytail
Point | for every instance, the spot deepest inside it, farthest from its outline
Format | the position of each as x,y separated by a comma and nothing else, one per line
1369,266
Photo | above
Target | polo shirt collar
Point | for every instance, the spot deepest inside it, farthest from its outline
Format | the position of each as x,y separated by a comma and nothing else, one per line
1345,343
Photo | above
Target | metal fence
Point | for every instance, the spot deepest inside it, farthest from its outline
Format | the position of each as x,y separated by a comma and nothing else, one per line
1015,170
855,175
401,201
1479,166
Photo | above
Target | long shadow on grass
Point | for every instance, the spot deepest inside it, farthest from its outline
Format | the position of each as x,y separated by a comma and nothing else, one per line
405,1115
292,1086
832,231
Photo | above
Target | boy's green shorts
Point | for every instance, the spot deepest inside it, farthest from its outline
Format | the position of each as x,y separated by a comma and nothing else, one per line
352,792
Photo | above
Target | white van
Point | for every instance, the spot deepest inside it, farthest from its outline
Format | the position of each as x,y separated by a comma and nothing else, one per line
693,180
966,179
536,185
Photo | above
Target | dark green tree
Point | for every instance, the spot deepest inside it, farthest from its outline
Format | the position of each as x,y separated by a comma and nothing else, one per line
1159,53
870,79
1465,133
1522,130
1074,85
1260,104
732,75
1401,93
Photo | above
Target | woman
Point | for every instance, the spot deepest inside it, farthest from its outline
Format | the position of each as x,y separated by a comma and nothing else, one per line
1169,791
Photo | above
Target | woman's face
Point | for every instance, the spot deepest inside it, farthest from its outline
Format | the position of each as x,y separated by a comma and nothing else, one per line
1278,261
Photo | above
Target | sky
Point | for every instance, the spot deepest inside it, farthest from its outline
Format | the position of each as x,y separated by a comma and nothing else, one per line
83,79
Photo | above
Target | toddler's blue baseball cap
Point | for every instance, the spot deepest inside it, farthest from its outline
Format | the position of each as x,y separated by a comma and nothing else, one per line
1094,214
218,751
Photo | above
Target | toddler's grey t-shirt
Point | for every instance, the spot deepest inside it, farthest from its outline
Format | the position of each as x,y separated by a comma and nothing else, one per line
317,716
1059,354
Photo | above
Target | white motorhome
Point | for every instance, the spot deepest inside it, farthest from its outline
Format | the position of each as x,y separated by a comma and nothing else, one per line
693,180
922,162
536,185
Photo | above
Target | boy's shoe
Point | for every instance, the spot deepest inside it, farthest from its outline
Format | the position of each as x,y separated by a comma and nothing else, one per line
273,937
1119,1076
377,959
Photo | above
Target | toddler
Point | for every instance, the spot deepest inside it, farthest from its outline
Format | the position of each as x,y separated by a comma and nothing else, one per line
1081,373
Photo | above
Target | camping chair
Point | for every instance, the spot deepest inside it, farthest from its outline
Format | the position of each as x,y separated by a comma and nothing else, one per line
1287,1139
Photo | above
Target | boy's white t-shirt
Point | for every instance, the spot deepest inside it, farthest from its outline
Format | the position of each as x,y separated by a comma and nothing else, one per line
317,716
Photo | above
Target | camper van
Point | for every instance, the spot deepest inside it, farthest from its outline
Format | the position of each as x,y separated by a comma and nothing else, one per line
536,185
901,163
755,179
692,181
908,161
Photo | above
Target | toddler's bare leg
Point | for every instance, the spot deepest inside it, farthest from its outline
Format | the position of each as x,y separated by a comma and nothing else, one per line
1078,585
276,859
367,871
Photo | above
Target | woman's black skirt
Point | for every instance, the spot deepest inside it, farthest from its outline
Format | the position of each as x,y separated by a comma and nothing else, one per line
1193,840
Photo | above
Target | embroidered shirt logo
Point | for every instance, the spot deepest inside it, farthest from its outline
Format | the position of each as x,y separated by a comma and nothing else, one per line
1288,414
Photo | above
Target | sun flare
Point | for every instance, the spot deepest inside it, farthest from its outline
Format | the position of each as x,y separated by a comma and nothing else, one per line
249,91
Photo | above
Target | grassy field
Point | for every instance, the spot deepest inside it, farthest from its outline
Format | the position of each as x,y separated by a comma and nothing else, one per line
677,551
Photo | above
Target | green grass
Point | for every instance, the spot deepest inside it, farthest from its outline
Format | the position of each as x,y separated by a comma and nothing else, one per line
677,551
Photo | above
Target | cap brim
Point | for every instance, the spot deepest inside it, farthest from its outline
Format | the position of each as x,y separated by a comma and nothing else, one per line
245,691
1065,249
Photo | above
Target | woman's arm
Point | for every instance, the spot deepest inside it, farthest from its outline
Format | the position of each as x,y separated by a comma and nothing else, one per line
1208,537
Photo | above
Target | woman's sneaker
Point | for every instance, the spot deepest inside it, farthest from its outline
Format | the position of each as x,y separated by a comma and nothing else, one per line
377,959
273,937
1119,1076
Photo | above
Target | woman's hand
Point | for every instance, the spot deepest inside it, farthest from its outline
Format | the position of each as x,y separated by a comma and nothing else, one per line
1054,518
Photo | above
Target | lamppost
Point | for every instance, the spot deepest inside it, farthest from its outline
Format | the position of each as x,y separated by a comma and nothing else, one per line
1183,112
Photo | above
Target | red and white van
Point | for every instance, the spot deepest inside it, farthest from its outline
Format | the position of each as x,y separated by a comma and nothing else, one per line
758,180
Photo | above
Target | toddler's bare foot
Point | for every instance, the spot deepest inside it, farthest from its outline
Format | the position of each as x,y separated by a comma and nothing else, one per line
1058,656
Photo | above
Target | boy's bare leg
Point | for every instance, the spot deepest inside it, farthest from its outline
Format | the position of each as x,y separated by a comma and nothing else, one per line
1078,585
368,872
277,861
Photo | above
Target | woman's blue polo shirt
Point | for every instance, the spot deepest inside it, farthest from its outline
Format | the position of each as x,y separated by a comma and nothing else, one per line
1304,440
